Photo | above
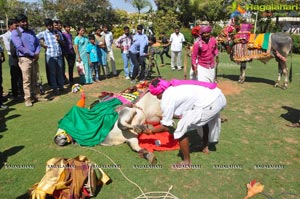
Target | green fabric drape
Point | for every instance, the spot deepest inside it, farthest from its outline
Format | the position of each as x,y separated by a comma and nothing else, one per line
89,127
265,44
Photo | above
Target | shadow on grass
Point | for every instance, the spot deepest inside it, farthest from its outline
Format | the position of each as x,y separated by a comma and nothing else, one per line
9,152
293,115
3,119
24,196
196,144
248,79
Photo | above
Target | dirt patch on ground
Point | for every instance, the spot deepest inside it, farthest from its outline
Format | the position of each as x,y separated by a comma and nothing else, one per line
291,140
227,87
230,88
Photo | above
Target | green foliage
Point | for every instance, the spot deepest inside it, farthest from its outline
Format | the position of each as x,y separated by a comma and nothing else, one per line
183,9
187,35
216,30
118,31
140,4
210,10
86,13
165,21
296,43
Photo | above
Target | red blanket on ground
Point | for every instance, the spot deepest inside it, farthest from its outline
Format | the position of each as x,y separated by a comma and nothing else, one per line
158,142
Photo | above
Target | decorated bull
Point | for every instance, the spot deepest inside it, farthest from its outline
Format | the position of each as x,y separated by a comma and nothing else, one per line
243,47
114,119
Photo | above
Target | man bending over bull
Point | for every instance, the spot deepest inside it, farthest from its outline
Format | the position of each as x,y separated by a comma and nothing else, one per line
198,105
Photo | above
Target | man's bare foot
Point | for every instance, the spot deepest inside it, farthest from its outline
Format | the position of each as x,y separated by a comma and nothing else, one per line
205,150
294,125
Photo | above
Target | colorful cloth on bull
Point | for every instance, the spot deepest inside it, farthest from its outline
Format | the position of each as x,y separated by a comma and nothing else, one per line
158,142
259,41
89,127
265,44
252,38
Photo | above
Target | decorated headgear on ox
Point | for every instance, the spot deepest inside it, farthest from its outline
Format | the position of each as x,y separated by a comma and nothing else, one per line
158,86
205,29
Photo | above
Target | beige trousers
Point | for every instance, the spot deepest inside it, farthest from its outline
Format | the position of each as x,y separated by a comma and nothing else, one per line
29,70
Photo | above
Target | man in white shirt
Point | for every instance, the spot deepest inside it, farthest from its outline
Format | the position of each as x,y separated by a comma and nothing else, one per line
176,39
15,71
197,104
110,55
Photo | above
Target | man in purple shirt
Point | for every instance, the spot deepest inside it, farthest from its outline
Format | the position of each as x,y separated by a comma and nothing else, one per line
68,51
28,49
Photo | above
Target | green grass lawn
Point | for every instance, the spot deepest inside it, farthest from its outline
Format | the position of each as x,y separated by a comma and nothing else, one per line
255,134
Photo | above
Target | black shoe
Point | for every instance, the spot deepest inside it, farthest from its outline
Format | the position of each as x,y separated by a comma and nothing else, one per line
61,91
55,92
4,107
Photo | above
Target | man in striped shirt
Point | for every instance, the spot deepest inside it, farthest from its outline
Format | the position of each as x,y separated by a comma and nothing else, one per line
54,59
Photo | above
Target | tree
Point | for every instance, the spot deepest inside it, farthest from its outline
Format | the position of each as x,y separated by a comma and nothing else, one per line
140,4
182,10
212,11
8,9
86,13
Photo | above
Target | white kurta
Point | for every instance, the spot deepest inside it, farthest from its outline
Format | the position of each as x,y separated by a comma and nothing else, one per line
176,42
197,106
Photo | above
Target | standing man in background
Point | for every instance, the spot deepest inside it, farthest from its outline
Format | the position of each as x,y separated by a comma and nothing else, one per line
57,24
110,55
102,52
54,58
177,39
68,51
2,59
15,71
165,44
28,50
205,56
138,53
124,42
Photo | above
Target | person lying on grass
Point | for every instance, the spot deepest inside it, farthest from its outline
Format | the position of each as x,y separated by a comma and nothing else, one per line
197,103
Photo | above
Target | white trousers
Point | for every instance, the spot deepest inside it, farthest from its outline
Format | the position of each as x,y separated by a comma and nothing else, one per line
110,56
199,116
176,59
204,74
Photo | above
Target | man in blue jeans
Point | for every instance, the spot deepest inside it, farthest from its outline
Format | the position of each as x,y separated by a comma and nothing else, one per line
138,54
124,42
54,58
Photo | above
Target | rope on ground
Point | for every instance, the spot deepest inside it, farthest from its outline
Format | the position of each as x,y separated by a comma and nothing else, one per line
164,195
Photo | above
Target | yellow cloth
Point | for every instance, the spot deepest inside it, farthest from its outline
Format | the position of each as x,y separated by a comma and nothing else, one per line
58,177
259,41
252,38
